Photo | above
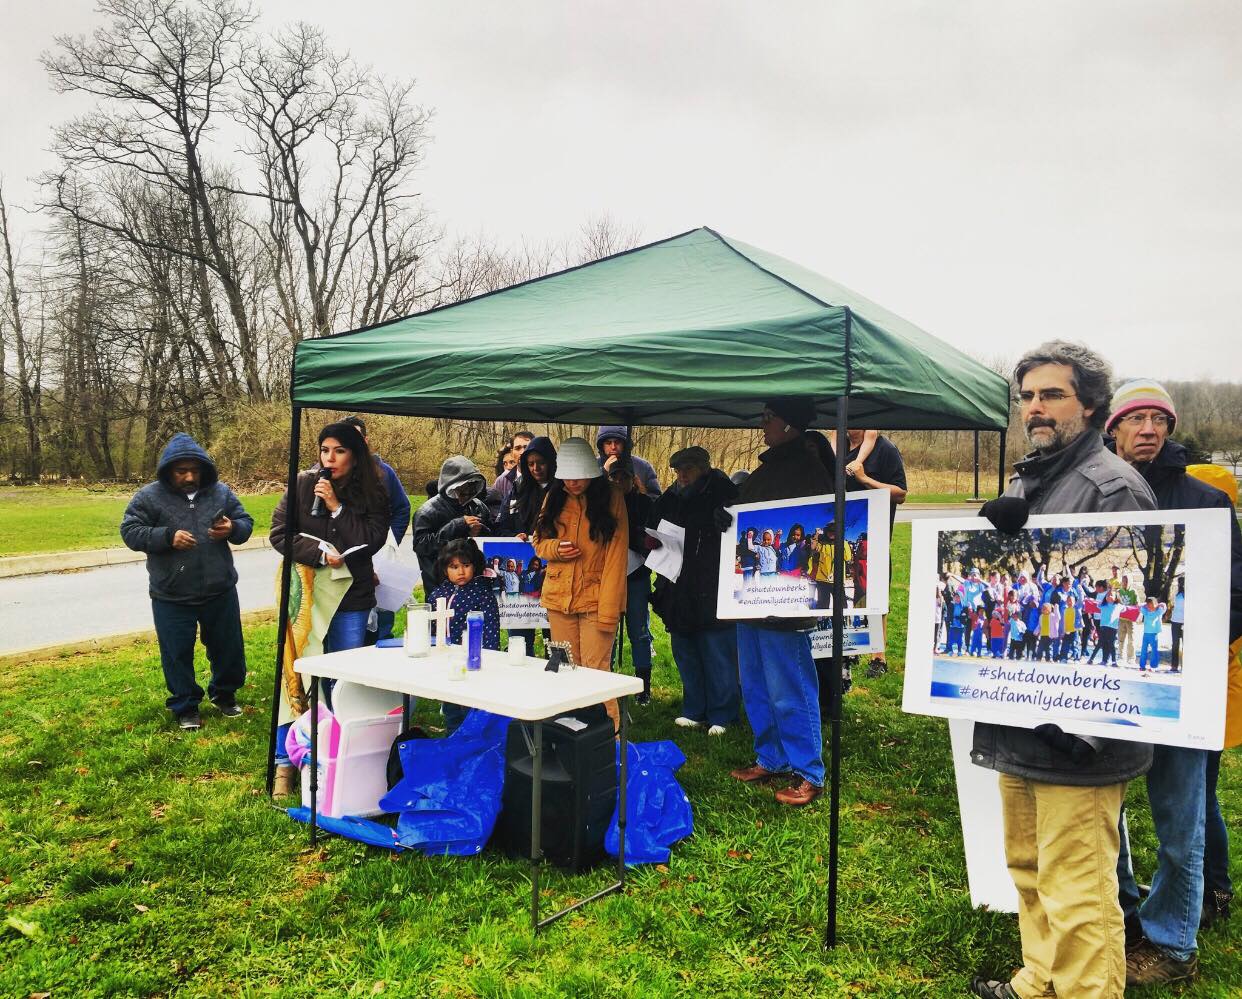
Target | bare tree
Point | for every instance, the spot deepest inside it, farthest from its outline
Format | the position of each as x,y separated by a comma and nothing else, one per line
29,355
162,70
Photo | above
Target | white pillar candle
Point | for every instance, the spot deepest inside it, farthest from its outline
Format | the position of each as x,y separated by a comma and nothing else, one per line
517,649
418,632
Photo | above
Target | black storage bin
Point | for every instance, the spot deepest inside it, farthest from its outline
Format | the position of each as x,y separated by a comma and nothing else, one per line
579,790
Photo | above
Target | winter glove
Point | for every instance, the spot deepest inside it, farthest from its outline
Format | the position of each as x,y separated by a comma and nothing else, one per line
1008,513
1077,749
722,518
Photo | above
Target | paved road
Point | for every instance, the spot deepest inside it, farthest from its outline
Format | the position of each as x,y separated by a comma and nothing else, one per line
65,607
113,600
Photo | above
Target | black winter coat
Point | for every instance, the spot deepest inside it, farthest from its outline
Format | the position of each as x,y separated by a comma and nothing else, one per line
1175,489
439,521
689,605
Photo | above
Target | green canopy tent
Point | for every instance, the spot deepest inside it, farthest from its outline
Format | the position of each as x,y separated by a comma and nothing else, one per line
694,330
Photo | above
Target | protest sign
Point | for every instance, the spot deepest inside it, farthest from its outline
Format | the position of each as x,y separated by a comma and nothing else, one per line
863,633
516,573
1106,624
776,558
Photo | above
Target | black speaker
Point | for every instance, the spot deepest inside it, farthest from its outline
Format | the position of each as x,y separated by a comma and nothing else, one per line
579,789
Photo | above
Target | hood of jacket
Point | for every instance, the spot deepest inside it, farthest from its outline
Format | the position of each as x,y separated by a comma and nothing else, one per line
606,432
541,446
457,470
184,446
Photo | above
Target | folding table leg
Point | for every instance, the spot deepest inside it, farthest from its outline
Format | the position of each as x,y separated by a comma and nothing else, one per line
536,824
314,760
625,714
405,712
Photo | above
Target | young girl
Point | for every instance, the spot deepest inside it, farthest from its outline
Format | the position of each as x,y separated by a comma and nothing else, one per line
997,633
1149,651
977,624
766,553
957,615
1017,635
460,569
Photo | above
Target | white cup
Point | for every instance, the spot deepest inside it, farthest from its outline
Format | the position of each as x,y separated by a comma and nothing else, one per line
517,649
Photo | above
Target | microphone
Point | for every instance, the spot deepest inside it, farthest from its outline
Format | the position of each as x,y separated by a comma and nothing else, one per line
317,509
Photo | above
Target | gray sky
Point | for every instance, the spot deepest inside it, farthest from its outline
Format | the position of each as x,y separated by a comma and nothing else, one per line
997,172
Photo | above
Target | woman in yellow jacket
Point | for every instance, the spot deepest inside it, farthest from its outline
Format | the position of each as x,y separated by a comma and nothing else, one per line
583,535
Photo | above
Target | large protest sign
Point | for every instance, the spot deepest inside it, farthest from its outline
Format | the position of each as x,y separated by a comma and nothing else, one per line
516,573
776,558
1106,624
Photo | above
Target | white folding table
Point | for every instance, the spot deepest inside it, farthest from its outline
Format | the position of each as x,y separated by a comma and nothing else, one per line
525,692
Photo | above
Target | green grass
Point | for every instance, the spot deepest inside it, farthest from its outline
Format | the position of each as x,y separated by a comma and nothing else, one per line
37,519
145,862
947,498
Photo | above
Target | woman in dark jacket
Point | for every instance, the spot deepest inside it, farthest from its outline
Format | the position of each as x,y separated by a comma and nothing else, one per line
704,647
638,507
354,512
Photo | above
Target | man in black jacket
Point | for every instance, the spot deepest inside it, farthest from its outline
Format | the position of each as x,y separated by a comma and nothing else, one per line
1183,799
704,647
184,521
455,511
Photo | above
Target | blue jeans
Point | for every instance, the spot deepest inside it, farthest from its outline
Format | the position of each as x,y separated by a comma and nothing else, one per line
1176,788
384,621
781,694
637,619
1216,836
707,662
1149,646
346,630
176,627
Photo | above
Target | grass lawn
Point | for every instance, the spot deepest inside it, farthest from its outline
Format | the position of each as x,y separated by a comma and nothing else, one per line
35,519
139,861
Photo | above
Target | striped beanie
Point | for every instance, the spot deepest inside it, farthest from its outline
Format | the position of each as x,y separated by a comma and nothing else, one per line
1140,393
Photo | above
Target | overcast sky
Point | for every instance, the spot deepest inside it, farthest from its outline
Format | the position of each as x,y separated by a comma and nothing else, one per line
997,172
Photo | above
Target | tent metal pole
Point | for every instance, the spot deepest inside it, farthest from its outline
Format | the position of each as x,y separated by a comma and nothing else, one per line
838,661
286,573
1000,468
975,494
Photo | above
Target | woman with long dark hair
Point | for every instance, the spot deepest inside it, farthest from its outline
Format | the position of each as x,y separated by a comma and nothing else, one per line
352,511
582,532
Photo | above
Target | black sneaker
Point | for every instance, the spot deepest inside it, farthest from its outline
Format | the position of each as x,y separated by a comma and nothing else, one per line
643,699
1215,907
877,667
189,721
229,709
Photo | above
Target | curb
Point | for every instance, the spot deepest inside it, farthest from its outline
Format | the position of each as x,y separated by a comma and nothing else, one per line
93,558
89,645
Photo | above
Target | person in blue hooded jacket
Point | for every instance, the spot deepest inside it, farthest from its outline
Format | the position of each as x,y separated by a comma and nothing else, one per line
185,521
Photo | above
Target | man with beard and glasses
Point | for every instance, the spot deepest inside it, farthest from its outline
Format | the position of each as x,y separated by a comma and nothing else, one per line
1061,794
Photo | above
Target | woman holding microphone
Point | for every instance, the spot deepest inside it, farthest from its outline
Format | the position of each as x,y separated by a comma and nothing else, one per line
583,534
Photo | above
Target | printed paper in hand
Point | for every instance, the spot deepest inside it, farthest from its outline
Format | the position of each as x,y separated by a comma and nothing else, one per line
330,549
667,559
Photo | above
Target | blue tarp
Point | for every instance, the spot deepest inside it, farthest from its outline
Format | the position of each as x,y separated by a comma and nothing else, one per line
657,810
352,827
450,795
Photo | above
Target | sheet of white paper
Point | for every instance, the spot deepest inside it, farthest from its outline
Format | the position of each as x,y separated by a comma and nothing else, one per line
667,559
571,723
397,579
330,549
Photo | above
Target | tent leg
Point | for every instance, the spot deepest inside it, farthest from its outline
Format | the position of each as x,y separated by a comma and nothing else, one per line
286,572
975,494
838,661
1000,467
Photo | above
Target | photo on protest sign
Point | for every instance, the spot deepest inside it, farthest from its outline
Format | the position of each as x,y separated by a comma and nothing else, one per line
864,633
776,559
516,574
1106,624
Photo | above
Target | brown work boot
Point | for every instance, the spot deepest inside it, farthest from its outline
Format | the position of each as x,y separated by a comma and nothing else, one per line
752,774
1147,964
802,792
286,781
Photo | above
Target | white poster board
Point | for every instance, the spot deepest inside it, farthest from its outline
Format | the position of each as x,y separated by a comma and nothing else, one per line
775,559
983,827
1148,702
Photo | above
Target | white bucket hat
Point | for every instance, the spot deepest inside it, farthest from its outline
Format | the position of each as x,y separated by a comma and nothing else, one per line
576,459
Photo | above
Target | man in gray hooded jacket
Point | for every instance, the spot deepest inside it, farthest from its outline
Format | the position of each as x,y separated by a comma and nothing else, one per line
1062,794
456,511
185,521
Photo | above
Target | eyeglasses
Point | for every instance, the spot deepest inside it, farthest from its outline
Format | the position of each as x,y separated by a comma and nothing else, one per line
1136,420
1048,395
